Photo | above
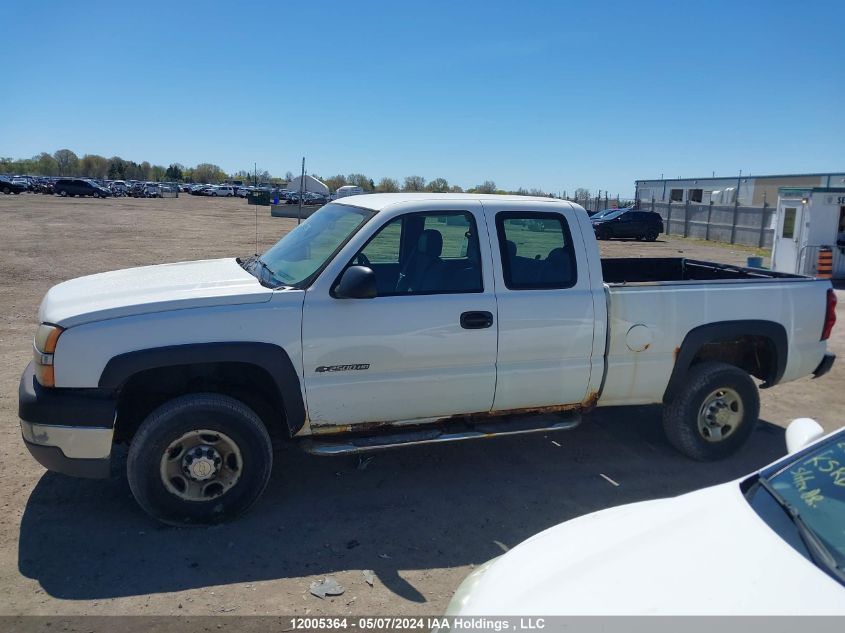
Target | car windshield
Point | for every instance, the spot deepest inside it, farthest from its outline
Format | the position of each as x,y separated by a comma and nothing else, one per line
813,488
612,214
304,251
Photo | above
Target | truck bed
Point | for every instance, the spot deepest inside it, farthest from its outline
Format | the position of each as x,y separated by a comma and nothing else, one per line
649,270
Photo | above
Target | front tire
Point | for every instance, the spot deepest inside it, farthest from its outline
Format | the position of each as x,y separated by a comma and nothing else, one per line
199,459
714,414
7,190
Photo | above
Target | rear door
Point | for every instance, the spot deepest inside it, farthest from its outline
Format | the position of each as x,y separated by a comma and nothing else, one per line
545,305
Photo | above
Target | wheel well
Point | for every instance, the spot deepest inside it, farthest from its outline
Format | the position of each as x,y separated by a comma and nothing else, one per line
755,354
146,390
758,347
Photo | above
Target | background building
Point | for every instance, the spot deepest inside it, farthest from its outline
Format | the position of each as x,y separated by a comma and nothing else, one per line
752,191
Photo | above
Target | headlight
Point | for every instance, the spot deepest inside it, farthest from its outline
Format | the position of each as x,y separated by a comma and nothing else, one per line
44,345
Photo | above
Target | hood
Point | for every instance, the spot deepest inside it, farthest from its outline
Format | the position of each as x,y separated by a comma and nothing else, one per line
704,553
147,289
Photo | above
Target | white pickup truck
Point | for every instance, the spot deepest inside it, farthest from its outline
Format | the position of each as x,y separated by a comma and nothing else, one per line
396,319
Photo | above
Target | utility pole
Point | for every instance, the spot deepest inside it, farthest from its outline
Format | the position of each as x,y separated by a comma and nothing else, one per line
301,187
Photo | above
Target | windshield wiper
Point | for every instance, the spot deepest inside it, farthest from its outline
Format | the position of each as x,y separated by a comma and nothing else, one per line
822,556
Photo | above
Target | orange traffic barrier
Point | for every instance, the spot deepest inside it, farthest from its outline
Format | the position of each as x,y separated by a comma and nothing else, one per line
824,264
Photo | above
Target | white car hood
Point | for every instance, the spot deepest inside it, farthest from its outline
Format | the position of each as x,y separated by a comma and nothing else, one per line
704,553
150,289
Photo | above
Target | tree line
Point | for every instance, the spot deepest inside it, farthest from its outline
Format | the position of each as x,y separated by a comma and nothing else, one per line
64,162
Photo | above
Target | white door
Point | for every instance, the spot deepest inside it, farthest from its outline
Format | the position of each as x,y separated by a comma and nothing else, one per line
787,248
545,305
423,348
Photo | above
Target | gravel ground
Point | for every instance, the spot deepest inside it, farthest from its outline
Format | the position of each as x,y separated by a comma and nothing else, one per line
420,518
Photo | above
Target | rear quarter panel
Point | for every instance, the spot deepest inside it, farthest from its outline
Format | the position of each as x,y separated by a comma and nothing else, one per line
670,310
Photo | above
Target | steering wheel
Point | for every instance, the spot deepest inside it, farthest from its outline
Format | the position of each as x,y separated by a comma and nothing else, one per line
362,260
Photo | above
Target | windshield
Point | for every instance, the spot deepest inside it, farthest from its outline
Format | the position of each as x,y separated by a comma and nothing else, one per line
814,487
305,250
611,215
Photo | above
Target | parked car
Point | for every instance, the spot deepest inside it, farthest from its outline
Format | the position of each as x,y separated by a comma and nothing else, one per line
9,186
642,225
771,543
152,190
137,189
223,191
427,318
26,183
118,187
80,187
243,192
185,187
312,198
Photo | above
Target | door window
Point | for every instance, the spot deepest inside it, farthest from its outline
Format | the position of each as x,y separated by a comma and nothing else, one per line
536,251
425,253
788,223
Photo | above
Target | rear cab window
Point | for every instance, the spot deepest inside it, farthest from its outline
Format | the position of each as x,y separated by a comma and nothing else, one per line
536,250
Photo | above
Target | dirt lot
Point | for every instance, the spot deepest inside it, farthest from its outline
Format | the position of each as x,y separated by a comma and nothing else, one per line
420,518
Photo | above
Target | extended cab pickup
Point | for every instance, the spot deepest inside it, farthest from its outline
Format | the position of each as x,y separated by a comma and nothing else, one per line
394,319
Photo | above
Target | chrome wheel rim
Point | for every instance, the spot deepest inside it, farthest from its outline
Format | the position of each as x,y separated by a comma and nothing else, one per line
720,414
201,465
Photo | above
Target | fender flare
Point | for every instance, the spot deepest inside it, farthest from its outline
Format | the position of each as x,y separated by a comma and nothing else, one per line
697,337
269,357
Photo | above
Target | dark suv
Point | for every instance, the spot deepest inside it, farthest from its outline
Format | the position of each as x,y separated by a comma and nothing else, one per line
642,225
79,187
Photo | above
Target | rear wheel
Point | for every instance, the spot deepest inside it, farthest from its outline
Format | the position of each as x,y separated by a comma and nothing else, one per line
714,414
199,459
63,193
651,235
7,190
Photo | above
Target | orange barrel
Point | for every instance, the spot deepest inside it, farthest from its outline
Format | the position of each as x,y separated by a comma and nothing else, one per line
824,265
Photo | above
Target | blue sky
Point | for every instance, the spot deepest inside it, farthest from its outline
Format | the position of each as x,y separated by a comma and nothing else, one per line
554,95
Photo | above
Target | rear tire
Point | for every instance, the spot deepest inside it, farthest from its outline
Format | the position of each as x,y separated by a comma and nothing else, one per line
6,190
714,414
63,193
224,434
651,235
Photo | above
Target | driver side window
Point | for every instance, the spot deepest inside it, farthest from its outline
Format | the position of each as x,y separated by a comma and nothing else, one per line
425,253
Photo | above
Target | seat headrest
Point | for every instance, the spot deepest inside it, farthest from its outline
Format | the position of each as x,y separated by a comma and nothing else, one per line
511,248
430,243
556,254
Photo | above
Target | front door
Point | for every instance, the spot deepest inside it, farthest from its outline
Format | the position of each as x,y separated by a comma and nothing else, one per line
425,347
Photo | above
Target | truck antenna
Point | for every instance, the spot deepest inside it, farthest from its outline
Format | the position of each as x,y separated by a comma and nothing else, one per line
255,180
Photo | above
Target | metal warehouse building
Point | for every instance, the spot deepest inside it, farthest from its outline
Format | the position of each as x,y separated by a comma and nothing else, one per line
752,191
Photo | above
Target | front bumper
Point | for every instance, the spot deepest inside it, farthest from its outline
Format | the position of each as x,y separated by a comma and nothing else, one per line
825,365
68,431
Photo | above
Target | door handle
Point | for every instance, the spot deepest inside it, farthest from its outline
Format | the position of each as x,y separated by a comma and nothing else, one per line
476,320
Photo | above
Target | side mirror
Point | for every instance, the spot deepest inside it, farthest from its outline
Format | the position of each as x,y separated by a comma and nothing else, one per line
356,282
801,432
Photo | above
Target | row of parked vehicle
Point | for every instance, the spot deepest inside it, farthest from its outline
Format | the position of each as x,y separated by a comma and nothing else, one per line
83,187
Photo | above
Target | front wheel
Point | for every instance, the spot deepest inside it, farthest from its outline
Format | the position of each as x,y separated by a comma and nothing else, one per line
199,459
715,412
7,190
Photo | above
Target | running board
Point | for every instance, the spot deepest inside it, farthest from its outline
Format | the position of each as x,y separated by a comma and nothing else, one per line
395,438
